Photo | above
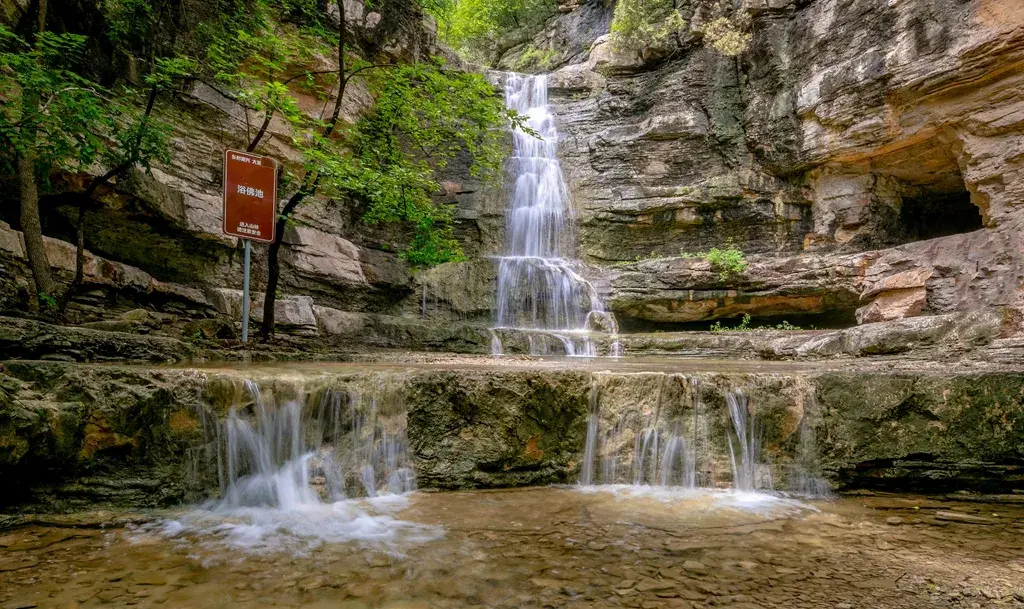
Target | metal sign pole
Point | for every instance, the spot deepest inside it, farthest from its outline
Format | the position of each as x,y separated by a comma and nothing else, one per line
245,294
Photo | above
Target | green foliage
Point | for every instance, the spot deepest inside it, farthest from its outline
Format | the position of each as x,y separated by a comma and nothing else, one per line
424,116
254,56
532,57
725,36
641,24
124,20
168,71
48,301
785,325
48,108
139,139
729,262
746,326
638,24
474,28
62,119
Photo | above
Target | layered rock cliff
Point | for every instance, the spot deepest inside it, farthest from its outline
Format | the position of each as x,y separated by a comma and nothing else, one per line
865,152
865,155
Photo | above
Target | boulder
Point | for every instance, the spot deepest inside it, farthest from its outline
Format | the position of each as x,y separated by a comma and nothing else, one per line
894,304
292,314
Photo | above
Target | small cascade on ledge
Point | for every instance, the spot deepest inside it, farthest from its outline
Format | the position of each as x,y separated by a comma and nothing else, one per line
744,444
671,439
658,450
303,468
343,443
540,292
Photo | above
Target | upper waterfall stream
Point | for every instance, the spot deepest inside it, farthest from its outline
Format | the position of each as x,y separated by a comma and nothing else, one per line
540,290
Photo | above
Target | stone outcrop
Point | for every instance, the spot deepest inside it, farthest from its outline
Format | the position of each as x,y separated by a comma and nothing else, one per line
980,269
956,335
74,435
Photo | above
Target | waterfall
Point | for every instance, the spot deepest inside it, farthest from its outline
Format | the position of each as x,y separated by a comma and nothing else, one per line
539,290
746,441
664,441
348,442
587,471
328,466
660,457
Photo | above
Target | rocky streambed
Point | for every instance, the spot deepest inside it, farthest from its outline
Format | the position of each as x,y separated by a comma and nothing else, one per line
76,436
551,547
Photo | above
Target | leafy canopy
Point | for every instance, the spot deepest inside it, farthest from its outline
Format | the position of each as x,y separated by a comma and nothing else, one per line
638,24
475,28
422,117
62,119
425,115
643,24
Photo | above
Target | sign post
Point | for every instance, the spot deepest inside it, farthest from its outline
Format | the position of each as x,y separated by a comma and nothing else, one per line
250,209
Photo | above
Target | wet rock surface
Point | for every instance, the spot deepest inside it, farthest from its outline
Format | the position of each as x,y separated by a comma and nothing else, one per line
556,548
78,435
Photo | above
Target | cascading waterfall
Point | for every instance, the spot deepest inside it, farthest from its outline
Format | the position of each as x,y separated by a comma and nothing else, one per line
744,444
330,466
348,442
590,448
660,456
672,450
539,292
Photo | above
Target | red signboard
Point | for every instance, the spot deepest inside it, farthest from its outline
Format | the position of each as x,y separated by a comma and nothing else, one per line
250,196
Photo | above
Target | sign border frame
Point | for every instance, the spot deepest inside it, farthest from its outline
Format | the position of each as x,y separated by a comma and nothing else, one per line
224,199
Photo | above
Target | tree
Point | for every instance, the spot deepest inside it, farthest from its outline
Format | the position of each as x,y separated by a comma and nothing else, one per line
474,27
261,56
638,24
422,116
56,119
643,24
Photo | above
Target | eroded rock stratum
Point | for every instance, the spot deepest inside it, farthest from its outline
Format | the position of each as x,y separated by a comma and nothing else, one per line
73,436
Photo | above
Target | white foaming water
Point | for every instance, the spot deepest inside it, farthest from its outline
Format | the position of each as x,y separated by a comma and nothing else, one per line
539,291
369,523
661,455
765,504
291,472
658,445
747,443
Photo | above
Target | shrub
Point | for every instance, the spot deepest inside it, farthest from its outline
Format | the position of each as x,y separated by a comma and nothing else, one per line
643,23
474,28
745,326
725,36
728,262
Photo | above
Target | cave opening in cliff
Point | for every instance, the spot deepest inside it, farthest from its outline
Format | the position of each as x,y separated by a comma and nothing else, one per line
939,214
926,180
833,319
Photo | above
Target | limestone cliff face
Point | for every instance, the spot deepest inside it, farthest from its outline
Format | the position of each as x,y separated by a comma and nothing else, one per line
75,436
867,153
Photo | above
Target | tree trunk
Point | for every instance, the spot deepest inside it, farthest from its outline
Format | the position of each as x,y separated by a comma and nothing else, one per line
308,189
273,275
32,228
